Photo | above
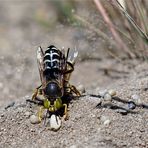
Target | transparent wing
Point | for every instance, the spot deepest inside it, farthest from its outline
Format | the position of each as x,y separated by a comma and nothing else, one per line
63,51
70,59
72,55
40,56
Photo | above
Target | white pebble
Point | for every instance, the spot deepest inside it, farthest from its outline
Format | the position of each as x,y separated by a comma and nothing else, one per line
81,88
102,92
107,97
135,97
107,122
73,146
97,90
112,92
94,99
138,101
34,119
20,109
27,113
55,122
103,118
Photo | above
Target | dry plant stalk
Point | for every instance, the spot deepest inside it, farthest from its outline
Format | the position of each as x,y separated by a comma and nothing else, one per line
101,34
134,24
98,31
117,38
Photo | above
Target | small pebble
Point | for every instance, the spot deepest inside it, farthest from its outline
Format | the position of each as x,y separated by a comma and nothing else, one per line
2,129
20,109
27,114
112,92
73,146
34,119
107,122
103,118
131,105
107,97
55,122
122,111
138,102
81,88
102,92
136,98
95,99
2,115
32,130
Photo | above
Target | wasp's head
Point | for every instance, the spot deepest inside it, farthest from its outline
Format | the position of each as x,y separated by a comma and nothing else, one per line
53,91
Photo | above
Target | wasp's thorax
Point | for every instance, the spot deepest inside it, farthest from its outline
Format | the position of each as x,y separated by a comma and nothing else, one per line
53,67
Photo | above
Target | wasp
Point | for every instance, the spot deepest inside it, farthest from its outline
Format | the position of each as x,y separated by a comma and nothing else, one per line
55,68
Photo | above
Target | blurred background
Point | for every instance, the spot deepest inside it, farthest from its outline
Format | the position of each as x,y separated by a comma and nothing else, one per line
102,31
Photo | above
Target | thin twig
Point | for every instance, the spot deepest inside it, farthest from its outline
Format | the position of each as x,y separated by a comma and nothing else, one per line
111,27
98,31
131,20
101,34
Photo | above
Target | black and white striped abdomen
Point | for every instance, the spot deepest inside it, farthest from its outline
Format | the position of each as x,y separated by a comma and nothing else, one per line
51,59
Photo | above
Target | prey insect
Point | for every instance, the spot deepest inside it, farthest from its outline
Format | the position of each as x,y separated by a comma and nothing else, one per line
55,68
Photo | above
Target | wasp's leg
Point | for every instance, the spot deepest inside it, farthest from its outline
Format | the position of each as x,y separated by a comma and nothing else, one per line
40,113
34,94
65,112
73,89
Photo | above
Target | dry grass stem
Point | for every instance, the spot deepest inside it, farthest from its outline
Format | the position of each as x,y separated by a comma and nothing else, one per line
134,24
112,29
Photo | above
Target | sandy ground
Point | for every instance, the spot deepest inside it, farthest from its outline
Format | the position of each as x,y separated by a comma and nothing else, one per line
86,126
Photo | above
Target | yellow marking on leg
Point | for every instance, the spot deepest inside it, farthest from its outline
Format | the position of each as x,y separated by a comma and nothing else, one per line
40,113
73,88
34,94
65,112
